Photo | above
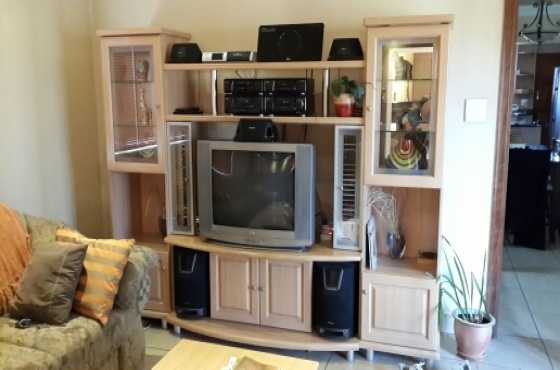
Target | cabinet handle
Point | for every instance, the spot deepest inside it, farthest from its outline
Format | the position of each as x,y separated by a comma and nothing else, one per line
261,289
251,287
368,108
364,292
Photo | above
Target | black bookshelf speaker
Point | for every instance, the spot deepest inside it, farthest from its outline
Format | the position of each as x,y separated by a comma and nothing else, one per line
346,49
290,42
192,283
335,286
185,53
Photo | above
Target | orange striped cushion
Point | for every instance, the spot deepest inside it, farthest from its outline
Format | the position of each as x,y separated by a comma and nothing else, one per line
103,269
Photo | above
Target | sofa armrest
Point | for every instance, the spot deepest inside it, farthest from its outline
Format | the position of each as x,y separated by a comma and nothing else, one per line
134,288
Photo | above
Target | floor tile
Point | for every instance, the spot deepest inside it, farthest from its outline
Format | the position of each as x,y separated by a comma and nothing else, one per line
553,350
528,259
518,353
510,281
386,362
543,302
515,317
160,338
548,325
545,281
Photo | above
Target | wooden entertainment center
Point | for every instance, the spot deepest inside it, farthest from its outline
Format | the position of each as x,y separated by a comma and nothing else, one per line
263,297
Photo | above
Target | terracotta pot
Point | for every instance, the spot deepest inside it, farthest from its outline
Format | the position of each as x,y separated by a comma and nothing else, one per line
343,105
472,339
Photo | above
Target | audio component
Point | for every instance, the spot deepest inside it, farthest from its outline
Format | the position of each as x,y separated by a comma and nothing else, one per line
335,286
271,97
228,56
192,282
346,49
185,53
290,42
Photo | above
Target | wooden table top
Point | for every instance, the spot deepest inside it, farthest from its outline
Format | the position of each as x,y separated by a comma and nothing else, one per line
193,355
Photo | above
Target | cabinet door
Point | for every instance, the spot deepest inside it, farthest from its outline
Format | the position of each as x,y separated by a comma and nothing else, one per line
285,294
160,297
400,311
131,68
405,105
233,288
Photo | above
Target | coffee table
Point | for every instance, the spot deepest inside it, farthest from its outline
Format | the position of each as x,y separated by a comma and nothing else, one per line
194,355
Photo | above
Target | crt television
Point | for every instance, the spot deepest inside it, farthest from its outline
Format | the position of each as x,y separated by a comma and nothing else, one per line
258,194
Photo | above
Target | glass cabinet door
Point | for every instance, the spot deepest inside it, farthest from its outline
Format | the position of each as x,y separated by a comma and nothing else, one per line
134,95
406,124
405,102
180,202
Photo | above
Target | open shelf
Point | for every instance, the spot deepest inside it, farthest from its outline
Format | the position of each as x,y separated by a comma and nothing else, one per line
262,336
317,253
409,267
349,64
353,121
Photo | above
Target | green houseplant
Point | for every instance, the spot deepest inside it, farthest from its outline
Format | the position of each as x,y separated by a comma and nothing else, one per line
473,324
346,93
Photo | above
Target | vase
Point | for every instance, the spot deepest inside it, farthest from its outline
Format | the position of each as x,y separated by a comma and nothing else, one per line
343,105
396,244
472,338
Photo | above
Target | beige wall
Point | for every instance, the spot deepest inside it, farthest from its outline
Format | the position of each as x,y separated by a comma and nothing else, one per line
48,146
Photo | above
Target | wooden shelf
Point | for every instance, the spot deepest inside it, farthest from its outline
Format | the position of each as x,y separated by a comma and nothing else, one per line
351,121
349,64
262,336
318,253
406,267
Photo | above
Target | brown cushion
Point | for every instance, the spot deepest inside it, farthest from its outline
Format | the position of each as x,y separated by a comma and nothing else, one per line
49,283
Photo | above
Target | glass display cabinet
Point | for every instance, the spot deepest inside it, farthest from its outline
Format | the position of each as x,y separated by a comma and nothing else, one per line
132,84
406,73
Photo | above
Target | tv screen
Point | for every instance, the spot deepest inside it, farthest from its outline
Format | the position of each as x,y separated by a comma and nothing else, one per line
253,189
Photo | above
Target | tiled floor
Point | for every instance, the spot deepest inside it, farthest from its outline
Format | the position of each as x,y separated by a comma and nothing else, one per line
529,326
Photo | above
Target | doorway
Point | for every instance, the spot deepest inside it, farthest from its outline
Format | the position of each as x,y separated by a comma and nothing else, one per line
524,270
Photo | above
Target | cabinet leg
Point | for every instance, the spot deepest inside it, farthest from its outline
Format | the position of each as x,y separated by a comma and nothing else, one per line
350,356
164,324
370,355
177,329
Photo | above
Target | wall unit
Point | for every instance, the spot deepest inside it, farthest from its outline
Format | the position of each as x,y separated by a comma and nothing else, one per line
262,297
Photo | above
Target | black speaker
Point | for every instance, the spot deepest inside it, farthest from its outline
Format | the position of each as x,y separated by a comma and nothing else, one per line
192,283
290,42
335,286
185,53
256,130
346,49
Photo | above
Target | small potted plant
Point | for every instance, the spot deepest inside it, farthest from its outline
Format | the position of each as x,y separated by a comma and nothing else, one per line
473,324
346,93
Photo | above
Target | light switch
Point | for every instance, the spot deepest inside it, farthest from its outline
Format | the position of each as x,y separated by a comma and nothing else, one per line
476,110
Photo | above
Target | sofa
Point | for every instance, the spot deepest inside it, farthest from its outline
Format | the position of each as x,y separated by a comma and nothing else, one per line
82,343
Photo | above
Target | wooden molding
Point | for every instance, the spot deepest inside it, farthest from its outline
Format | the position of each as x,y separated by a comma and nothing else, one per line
419,20
151,31
505,98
